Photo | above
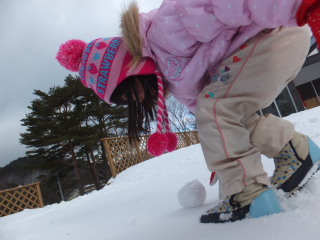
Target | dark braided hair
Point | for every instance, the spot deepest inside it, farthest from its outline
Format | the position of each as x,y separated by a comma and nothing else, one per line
140,114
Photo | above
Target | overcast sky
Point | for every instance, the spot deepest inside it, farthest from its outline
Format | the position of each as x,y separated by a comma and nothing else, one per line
31,32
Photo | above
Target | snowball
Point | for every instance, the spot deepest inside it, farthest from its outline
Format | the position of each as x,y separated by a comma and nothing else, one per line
192,194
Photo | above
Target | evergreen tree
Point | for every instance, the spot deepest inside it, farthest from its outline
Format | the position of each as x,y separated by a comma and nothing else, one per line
67,123
105,121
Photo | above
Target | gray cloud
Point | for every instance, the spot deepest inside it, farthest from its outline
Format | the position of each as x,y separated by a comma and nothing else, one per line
31,32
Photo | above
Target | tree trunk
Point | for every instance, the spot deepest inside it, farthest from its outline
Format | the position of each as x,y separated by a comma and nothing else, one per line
105,160
93,169
60,187
77,170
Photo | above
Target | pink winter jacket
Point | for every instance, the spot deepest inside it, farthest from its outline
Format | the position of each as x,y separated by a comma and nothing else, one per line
189,38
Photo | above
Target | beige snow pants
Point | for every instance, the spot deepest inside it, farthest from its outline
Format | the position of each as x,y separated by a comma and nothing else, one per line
232,135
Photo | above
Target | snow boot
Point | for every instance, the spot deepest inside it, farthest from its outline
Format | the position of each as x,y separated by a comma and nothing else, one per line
297,162
255,200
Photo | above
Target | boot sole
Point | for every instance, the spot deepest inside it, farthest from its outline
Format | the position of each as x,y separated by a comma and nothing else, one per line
304,182
265,204
310,174
236,215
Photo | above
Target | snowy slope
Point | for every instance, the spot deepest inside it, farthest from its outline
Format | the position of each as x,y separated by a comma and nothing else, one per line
141,203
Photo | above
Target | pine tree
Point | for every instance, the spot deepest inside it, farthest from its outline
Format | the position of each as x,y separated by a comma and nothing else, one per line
67,123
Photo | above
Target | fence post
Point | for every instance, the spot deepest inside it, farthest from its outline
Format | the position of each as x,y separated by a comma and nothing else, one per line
39,194
110,160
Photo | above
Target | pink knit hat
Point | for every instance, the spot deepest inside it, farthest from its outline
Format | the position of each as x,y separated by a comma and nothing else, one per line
102,65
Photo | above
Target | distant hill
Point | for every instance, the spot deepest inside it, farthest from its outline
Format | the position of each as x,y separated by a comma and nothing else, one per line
19,172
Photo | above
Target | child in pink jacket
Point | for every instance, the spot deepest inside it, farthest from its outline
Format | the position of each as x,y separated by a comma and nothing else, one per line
224,60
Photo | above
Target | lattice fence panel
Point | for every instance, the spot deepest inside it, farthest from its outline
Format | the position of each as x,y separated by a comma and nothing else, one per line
187,138
193,137
142,146
17,199
182,141
122,155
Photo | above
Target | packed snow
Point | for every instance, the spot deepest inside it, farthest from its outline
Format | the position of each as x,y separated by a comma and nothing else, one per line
142,203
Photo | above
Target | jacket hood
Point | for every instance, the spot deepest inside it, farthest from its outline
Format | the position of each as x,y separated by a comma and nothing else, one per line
135,27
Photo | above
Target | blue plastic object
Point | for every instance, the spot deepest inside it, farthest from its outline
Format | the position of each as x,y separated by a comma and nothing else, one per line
265,204
314,152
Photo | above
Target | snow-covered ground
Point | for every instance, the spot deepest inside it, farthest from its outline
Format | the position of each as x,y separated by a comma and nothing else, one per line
141,203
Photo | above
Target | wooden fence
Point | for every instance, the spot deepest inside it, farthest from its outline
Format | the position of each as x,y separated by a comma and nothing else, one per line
17,199
122,155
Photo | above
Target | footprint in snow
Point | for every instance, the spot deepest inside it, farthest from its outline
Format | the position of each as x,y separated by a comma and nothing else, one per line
313,120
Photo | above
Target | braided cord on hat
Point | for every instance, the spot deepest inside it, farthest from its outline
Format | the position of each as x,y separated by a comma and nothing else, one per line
159,142
162,114
166,119
161,103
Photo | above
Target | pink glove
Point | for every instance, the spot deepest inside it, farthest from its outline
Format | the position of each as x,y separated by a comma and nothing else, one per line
309,13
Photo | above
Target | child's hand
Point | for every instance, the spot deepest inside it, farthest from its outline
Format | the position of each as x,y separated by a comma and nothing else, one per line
309,13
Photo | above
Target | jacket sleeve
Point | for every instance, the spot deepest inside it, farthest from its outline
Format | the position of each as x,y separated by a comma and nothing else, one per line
235,13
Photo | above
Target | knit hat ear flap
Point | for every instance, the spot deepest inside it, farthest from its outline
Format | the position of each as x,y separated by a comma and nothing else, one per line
159,142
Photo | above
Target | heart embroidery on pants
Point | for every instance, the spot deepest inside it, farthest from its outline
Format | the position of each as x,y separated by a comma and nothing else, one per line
236,59
226,69
243,46
210,94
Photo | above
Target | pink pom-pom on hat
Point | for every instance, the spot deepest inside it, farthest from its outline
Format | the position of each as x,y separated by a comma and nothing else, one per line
157,143
70,53
172,141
